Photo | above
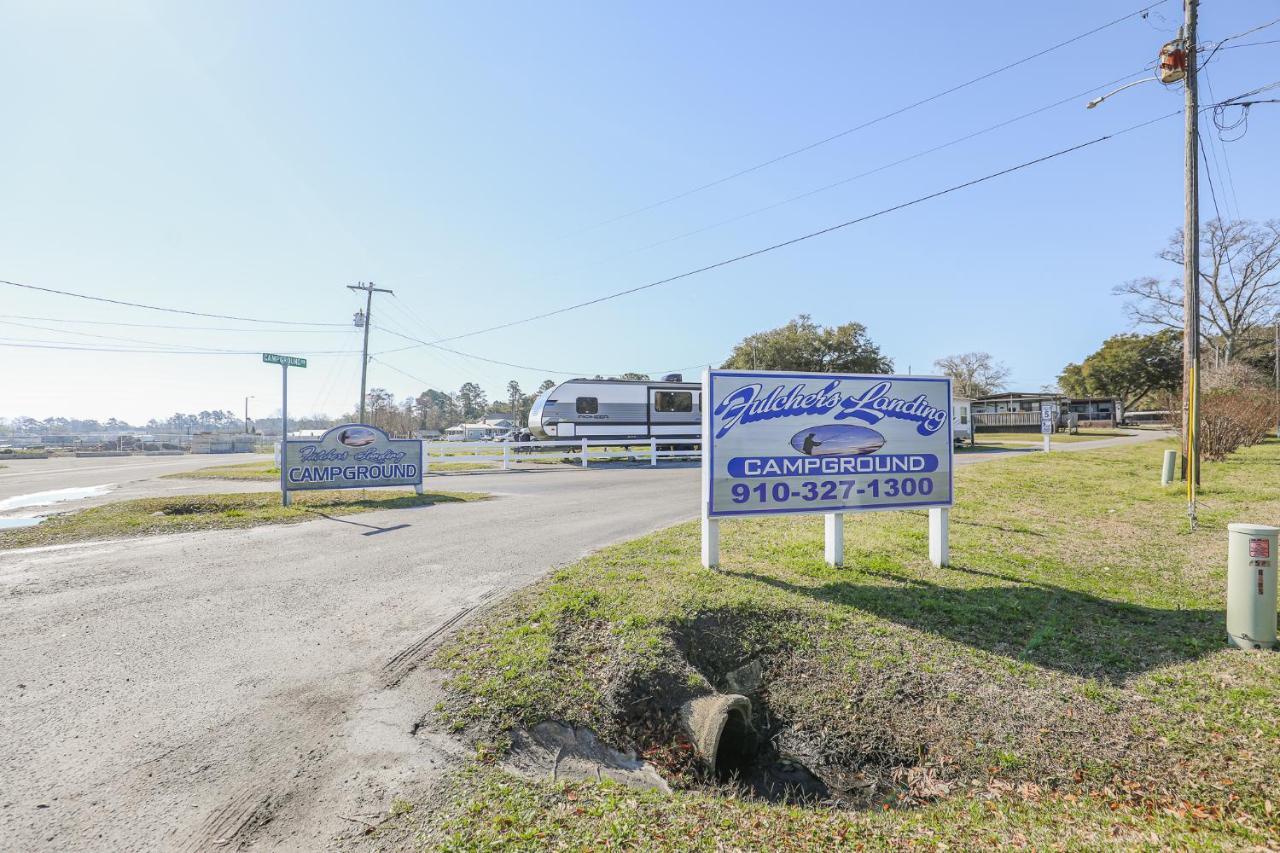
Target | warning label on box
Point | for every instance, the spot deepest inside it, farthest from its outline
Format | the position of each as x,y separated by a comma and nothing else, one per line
1260,548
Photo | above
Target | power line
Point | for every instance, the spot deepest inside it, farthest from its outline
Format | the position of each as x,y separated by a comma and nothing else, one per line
420,342
1249,44
899,111
134,341
160,308
165,326
809,236
36,343
890,165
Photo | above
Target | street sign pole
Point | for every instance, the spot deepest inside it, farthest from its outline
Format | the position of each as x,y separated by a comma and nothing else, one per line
285,362
284,431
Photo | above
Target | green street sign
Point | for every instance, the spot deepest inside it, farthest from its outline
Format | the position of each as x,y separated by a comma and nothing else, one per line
286,360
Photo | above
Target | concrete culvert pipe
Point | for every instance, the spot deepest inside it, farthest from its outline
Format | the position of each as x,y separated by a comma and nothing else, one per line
720,727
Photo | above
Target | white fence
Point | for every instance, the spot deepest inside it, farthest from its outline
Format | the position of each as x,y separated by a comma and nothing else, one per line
578,450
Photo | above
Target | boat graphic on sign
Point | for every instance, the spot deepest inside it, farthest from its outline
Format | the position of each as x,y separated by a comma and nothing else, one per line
837,440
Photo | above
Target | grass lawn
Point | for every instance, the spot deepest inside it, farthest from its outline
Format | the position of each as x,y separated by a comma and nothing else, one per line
263,470
1064,684
147,516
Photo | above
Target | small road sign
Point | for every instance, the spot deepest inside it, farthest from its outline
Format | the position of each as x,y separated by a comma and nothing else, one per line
1048,418
286,360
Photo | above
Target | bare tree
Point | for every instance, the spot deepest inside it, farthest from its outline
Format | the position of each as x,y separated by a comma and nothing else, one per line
974,374
1239,288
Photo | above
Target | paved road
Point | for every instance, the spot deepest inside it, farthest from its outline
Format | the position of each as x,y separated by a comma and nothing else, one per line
192,692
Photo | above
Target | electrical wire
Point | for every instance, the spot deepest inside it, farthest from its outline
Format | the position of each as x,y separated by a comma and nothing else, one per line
909,158
848,180
809,236
421,342
36,343
869,123
160,308
163,326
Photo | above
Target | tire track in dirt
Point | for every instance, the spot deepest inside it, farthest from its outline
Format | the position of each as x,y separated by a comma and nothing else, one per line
407,659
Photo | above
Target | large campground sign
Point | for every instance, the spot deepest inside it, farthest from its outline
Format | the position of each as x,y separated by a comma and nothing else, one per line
353,456
823,443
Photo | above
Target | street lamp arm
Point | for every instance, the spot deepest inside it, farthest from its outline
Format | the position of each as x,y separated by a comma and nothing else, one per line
1102,98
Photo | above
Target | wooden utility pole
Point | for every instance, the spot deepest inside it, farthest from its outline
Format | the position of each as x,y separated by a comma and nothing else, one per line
369,290
1191,271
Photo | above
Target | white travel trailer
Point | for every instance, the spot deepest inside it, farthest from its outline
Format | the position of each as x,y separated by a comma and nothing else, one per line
618,408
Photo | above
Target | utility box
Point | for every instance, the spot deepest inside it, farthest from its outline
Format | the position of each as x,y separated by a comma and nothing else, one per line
1251,585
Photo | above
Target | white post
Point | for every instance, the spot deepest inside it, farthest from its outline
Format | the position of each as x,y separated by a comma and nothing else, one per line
710,541
585,452
506,457
939,546
653,452
835,538
710,526
1046,442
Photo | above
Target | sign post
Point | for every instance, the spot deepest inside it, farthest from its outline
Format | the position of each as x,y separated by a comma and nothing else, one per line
1048,422
782,443
285,362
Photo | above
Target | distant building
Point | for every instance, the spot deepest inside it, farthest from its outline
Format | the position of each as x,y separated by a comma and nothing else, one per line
477,432
1020,410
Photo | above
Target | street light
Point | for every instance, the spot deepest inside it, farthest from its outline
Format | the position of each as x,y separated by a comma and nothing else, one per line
246,413
1102,98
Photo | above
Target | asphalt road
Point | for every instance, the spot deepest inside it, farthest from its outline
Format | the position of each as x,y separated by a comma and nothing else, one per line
261,687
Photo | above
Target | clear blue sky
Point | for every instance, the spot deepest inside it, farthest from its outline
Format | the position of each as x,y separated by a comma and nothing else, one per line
254,158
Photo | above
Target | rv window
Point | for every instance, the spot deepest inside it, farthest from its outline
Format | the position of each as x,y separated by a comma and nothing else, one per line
964,415
588,405
673,401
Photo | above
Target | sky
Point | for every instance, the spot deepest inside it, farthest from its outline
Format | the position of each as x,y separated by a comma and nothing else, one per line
491,162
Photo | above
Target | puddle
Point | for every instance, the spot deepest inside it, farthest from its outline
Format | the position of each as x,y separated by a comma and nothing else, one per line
52,497
15,523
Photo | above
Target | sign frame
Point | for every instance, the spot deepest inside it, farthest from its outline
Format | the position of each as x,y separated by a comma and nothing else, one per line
939,509
364,439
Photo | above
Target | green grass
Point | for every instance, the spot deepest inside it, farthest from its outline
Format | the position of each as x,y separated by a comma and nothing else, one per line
150,516
1064,683
264,471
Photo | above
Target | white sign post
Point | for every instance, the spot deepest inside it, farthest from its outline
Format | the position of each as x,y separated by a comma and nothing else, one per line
781,443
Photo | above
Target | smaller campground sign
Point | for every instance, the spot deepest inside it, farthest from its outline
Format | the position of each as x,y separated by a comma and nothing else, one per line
353,456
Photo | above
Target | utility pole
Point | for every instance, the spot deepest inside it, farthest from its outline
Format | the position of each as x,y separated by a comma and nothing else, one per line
1191,269
246,413
369,290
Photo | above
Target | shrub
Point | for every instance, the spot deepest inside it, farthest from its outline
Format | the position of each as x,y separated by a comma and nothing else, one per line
1232,415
